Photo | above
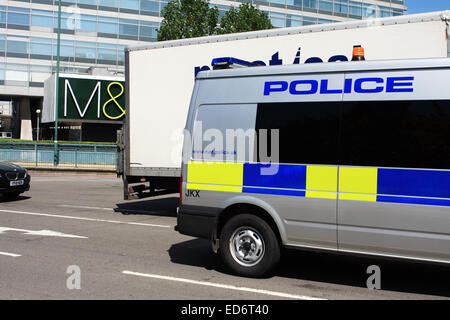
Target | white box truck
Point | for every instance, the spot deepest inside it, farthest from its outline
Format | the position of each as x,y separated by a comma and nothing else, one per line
160,78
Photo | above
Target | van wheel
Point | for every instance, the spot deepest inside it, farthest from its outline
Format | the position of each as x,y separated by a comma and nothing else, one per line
249,246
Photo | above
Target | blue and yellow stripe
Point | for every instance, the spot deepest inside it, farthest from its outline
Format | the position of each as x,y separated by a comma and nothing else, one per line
413,186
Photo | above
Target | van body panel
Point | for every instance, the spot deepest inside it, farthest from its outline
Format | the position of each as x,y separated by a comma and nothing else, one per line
395,229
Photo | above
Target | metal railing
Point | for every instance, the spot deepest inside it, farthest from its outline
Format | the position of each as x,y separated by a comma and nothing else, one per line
77,156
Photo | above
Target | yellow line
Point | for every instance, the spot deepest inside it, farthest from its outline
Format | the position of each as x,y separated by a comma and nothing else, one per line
214,187
321,195
358,197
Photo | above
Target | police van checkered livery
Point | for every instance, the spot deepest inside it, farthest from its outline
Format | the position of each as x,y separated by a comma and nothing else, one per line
350,157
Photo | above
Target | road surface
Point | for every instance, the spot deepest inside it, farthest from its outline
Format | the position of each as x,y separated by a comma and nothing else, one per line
69,238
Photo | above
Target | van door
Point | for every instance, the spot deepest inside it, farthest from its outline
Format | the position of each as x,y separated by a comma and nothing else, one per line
303,191
394,186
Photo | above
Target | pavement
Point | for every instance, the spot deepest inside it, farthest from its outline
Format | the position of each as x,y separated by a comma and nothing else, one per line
73,237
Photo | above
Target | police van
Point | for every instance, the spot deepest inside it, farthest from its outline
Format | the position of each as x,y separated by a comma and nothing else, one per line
349,157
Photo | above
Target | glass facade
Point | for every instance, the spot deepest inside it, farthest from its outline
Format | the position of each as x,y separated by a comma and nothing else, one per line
95,32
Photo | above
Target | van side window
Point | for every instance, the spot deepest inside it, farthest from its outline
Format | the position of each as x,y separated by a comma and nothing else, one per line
224,133
308,131
412,134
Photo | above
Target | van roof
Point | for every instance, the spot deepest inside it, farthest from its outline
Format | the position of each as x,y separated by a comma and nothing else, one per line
330,67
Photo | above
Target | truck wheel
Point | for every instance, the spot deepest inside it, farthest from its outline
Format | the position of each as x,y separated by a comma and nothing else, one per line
249,246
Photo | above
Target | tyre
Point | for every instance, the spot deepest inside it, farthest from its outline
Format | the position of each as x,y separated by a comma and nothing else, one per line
249,246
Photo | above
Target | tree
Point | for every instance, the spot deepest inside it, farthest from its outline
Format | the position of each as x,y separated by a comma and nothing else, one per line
194,18
246,18
188,19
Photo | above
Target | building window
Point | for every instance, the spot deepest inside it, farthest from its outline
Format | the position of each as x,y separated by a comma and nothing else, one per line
41,21
355,9
88,2
17,46
152,6
326,6
2,17
66,51
310,4
107,54
309,21
283,2
128,29
129,4
18,18
85,53
109,3
341,6
278,20
41,49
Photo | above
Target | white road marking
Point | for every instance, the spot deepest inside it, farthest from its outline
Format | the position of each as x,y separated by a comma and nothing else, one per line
86,219
84,207
223,286
46,233
14,255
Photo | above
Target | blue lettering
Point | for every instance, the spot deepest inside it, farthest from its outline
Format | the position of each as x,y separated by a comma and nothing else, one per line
314,60
392,84
324,88
337,58
361,85
275,61
198,69
297,57
314,86
258,63
275,86
348,85
359,82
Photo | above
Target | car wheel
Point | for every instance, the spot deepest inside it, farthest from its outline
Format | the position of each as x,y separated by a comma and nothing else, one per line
249,246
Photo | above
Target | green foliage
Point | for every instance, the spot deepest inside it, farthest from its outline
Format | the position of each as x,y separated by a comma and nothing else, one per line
246,18
188,19
194,18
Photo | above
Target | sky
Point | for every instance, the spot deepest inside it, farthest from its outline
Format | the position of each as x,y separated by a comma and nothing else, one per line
419,6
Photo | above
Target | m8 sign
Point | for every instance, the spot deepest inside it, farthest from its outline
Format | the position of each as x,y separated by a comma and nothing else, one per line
91,99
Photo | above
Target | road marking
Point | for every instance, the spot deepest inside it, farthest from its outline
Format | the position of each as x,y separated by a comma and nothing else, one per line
84,207
86,219
45,233
10,254
223,286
